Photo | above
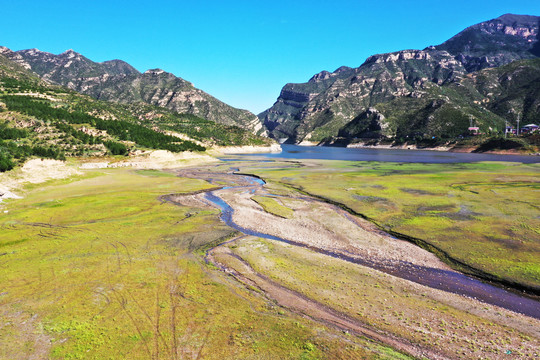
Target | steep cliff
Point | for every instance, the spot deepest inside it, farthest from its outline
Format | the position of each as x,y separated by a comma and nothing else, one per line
325,104
418,93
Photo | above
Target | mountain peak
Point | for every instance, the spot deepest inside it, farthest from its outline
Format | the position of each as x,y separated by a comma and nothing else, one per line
342,69
510,19
4,50
156,71
323,75
495,42
33,52
70,54
120,67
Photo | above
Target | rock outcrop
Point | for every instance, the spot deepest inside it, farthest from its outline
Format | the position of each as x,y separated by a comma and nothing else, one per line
496,42
413,89
117,81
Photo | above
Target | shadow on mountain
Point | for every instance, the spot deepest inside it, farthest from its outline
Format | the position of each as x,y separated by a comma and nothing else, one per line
536,47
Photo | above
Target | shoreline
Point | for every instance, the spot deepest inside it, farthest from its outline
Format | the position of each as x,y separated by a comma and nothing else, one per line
38,170
464,149
452,149
414,147
400,147
34,171
245,149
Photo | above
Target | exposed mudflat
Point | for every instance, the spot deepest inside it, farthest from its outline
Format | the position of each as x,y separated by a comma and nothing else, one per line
330,231
34,171
299,303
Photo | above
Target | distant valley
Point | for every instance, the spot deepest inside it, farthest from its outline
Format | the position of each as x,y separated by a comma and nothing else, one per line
485,77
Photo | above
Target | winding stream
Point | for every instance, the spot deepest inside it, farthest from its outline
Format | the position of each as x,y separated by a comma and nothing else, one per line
447,280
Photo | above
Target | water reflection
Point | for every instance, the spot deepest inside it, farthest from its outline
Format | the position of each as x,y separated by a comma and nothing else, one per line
389,155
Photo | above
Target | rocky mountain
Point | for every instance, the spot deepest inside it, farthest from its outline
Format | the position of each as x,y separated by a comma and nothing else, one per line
118,81
283,117
63,68
318,115
496,42
488,98
507,90
406,94
40,119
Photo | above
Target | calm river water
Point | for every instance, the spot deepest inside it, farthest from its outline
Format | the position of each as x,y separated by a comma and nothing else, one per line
390,155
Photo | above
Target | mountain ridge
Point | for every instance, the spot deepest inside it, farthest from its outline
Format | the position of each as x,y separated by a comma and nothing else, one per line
116,80
495,42
319,108
44,120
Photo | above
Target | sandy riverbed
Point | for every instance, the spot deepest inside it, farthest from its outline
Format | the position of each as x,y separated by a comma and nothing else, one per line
321,226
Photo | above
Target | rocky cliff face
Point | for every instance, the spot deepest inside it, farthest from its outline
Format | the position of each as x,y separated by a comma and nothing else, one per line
508,90
118,81
496,42
410,89
321,107
284,116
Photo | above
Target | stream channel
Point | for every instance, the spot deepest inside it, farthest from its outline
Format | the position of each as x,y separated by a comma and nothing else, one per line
446,280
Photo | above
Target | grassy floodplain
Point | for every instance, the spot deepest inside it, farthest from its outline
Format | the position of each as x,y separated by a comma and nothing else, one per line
434,319
273,206
98,267
486,215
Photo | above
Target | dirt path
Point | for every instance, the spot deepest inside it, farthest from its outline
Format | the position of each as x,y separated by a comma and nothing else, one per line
300,304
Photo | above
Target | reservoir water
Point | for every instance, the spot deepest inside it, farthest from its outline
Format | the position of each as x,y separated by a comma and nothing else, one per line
389,155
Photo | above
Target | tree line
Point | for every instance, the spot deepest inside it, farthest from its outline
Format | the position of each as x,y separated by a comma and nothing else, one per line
121,129
63,120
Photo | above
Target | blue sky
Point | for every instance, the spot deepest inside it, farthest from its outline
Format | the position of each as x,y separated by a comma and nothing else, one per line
241,52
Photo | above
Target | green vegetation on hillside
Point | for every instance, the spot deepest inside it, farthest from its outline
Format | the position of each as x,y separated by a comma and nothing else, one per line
10,150
205,131
38,119
123,130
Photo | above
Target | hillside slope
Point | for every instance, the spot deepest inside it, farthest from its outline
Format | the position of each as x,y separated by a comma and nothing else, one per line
118,81
410,93
50,121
